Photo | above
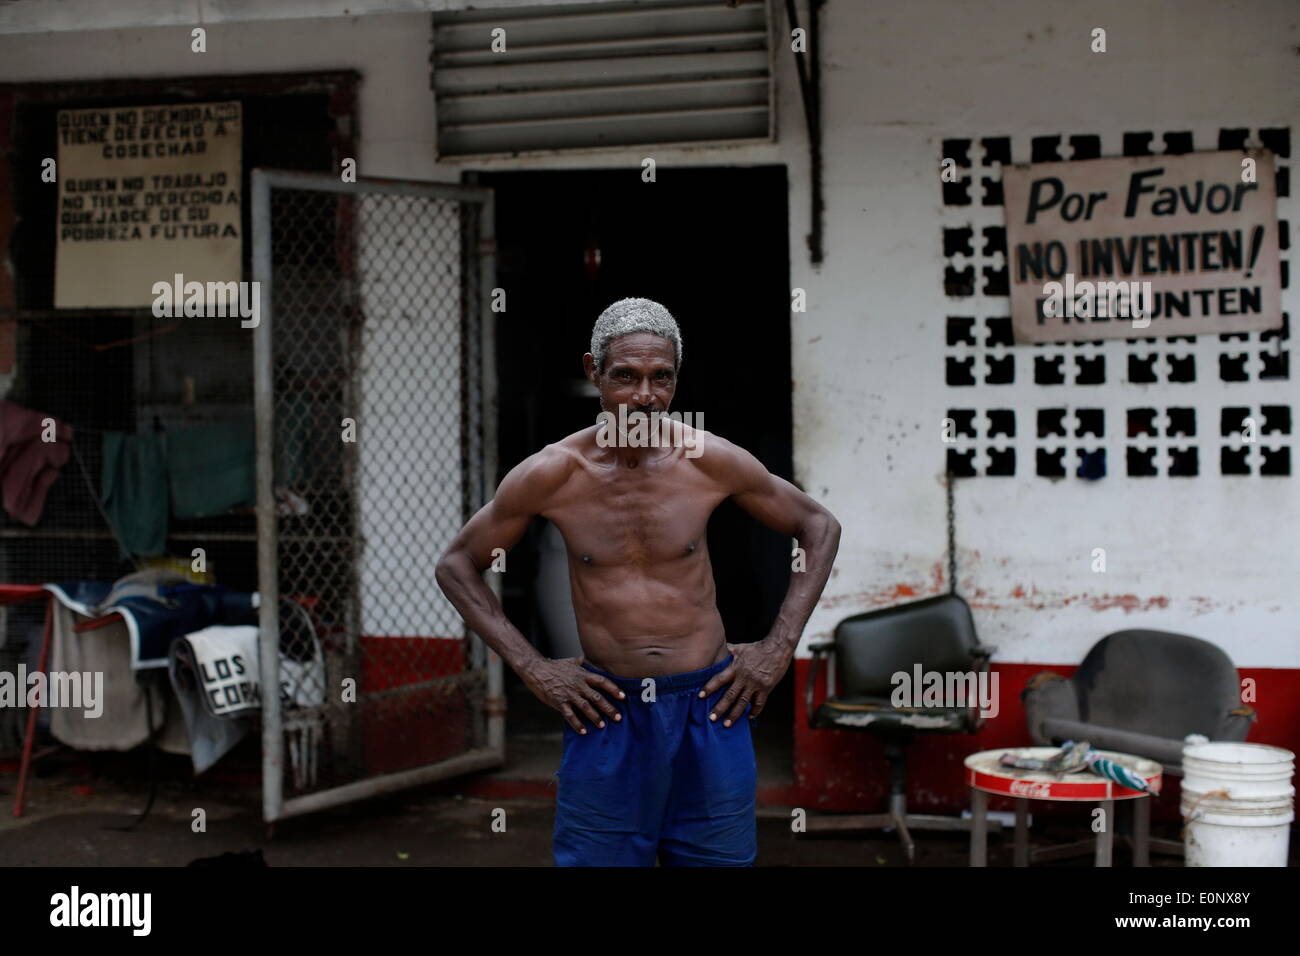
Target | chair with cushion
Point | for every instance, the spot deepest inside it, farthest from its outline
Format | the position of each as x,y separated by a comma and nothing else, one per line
937,635
1141,692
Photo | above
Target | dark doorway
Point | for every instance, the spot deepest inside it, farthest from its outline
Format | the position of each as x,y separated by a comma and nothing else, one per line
711,245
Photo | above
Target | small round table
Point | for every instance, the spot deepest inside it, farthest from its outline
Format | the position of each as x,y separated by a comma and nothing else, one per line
985,775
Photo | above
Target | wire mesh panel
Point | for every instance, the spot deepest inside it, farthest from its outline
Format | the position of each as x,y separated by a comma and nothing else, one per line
109,377
370,387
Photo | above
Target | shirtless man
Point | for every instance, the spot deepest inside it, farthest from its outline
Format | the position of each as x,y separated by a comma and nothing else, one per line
666,769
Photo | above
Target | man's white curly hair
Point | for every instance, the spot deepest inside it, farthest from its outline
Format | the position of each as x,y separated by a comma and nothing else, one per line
633,315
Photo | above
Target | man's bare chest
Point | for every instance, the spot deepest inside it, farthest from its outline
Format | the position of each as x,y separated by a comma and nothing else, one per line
610,517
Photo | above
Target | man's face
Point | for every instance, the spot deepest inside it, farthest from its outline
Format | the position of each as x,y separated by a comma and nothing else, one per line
638,373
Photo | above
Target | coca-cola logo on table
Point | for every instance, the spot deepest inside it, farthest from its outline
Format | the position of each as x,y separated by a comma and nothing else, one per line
1028,788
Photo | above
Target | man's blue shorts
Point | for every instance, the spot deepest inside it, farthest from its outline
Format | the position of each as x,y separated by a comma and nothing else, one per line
663,782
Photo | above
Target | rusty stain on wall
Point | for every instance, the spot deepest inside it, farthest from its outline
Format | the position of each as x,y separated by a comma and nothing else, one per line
1018,598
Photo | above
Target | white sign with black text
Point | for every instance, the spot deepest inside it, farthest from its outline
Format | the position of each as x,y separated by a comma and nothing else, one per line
1143,246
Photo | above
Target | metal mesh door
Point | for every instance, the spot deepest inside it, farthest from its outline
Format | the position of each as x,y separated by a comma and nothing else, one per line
373,359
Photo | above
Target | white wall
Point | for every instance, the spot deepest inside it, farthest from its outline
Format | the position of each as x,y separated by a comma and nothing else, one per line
391,52
1210,555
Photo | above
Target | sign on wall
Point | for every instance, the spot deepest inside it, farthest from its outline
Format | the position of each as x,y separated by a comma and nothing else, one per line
146,193
1143,246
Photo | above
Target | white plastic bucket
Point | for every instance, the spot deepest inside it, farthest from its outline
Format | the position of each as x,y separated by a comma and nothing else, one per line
1238,804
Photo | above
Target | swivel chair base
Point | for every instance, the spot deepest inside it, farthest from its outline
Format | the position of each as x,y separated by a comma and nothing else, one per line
897,819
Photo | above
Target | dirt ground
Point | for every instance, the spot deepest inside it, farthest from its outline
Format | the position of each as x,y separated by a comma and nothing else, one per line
77,803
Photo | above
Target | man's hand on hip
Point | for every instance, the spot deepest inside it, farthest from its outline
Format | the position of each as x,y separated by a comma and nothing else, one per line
754,670
565,686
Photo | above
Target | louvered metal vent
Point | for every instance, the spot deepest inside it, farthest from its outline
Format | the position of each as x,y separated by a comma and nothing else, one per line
593,75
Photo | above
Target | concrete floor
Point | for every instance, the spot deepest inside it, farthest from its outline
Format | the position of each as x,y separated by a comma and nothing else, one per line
76,800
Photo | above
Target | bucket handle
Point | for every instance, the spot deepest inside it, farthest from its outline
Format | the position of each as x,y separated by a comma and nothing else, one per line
1191,812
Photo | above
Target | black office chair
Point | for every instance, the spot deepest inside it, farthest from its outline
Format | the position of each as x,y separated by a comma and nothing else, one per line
869,650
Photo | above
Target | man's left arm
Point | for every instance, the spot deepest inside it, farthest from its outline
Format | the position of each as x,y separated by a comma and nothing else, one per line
758,667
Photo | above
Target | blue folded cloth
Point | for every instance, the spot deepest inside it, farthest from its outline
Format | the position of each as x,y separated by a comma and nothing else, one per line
157,613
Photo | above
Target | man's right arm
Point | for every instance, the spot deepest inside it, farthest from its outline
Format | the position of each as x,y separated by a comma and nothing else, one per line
522,494
498,524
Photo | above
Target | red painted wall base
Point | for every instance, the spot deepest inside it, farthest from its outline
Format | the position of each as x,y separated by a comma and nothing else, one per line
842,770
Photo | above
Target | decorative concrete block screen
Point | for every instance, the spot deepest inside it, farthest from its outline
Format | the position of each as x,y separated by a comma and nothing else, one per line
1140,407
